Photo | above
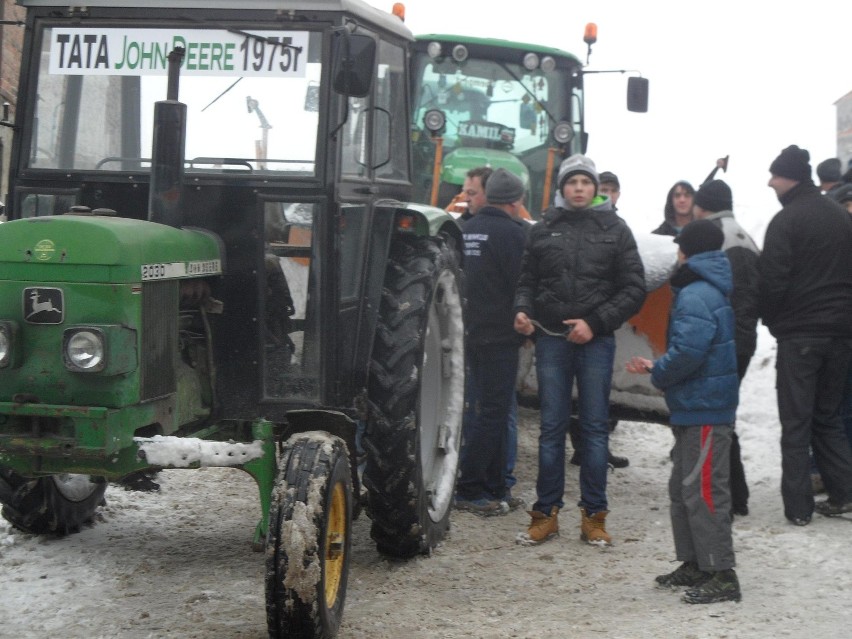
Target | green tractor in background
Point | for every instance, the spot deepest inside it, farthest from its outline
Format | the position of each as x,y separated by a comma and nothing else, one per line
182,288
485,102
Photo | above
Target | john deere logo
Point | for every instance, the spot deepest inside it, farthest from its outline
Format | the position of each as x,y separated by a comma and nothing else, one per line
44,250
43,305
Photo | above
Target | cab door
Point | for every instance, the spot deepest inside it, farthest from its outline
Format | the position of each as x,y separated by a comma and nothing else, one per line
374,167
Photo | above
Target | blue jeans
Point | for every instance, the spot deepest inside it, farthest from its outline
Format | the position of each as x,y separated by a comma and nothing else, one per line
558,363
491,380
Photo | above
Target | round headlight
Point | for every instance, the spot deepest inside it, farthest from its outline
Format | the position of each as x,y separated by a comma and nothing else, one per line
434,120
530,61
548,64
433,49
563,132
460,53
84,350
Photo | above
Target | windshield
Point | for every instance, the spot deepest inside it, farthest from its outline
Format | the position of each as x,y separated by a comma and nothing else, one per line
491,103
498,114
252,102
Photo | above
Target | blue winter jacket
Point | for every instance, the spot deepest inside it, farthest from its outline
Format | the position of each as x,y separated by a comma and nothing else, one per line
698,372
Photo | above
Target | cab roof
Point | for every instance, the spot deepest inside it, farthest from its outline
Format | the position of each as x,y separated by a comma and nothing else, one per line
358,8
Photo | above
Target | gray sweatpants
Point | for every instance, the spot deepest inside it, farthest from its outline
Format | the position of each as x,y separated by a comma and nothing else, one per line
700,494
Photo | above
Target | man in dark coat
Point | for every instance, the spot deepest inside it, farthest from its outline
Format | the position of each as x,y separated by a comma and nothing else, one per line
581,279
493,245
714,201
806,302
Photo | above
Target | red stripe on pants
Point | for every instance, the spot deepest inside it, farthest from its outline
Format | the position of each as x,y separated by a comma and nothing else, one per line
707,469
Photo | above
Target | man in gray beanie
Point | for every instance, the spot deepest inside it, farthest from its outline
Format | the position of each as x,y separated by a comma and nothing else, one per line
714,202
493,245
581,279
806,303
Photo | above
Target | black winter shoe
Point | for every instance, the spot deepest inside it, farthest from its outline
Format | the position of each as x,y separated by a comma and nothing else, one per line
830,509
617,462
687,574
722,586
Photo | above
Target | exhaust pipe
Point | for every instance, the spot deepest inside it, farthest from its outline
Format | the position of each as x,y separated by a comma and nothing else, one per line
166,191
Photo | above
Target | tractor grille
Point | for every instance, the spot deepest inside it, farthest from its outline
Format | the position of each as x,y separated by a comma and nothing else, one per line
159,338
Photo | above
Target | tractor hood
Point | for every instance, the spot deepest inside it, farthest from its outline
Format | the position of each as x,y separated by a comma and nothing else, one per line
105,249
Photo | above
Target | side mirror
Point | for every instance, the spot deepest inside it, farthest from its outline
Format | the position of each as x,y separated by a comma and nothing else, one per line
354,64
637,95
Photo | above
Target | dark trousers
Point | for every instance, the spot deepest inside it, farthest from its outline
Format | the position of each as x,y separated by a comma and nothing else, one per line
482,463
811,373
739,487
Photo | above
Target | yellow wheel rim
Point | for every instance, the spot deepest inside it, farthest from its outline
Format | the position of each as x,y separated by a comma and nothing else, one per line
335,544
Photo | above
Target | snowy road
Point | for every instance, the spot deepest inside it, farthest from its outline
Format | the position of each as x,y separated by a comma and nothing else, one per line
180,564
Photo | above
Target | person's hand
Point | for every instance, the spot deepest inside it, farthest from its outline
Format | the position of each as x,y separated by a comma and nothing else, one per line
640,365
580,331
523,325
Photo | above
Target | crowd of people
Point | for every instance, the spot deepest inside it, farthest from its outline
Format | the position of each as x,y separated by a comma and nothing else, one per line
569,281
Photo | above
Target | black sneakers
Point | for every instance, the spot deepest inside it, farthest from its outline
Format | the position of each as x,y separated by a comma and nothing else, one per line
831,509
687,574
721,586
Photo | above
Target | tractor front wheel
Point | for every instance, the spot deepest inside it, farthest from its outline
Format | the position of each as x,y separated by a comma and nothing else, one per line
310,534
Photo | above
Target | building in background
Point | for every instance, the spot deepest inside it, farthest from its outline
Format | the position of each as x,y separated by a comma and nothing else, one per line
844,130
11,39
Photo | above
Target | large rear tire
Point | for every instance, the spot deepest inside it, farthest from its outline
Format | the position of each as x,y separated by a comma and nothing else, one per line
307,547
59,504
416,393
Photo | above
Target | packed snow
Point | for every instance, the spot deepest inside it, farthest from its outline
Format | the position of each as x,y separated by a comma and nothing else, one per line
179,563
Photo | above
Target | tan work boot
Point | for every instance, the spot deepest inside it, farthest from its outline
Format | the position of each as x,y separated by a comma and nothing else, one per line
593,529
541,528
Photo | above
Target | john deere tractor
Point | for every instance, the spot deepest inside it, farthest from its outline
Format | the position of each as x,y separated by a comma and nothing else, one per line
211,260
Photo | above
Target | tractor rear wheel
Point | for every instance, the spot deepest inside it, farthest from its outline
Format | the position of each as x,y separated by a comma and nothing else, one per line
416,395
310,534
58,504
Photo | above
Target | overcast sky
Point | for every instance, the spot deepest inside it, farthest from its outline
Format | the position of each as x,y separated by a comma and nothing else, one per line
742,78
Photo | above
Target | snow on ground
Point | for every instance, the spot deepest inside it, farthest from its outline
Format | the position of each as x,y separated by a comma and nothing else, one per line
180,564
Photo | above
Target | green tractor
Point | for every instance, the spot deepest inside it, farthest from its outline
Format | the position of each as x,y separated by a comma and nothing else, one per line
485,102
211,259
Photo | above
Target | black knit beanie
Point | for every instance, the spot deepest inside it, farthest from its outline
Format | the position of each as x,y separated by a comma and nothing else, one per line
700,236
714,196
829,170
793,163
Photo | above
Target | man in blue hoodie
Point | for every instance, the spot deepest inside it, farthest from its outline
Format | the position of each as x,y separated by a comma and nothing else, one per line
698,374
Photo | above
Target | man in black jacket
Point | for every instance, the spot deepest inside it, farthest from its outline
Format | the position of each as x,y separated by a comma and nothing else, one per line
714,201
806,302
493,245
581,278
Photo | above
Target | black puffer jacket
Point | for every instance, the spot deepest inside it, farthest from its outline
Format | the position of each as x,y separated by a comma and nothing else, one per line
806,267
581,265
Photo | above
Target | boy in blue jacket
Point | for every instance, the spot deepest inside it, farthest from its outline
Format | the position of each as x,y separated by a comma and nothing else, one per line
698,374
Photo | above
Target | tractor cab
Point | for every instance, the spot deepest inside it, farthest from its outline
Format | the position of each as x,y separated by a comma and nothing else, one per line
212,259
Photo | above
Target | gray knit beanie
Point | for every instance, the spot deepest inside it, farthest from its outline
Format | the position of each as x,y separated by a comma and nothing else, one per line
577,163
503,187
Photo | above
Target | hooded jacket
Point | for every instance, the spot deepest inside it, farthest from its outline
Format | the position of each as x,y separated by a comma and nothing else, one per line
698,371
668,227
581,264
806,267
